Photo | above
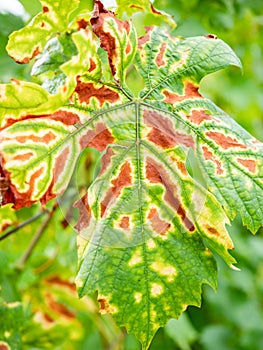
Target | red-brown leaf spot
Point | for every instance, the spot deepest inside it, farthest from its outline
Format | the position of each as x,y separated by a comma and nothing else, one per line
156,173
82,24
24,156
60,163
197,117
4,346
160,57
65,117
190,91
213,232
145,38
26,60
155,11
105,308
57,281
24,199
86,91
135,7
125,222
84,213
224,141
123,179
106,160
59,308
46,139
45,9
92,65
7,195
210,156
99,138
163,133
250,164
159,226
211,36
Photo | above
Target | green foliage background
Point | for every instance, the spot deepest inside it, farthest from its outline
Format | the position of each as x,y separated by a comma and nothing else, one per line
232,318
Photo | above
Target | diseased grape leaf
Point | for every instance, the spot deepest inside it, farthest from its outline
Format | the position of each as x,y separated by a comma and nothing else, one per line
148,228
30,40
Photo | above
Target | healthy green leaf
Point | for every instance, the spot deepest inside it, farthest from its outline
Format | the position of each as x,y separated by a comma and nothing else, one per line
147,227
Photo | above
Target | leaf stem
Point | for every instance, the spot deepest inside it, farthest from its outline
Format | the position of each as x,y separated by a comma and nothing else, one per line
23,224
37,237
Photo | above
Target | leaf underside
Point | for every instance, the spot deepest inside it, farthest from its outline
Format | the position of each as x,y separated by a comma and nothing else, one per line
148,228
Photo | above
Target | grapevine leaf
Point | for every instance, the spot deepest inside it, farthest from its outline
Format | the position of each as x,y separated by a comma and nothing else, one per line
29,41
148,228
117,37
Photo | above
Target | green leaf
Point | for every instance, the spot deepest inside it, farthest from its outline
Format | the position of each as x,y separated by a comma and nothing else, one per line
29,41
11,321
7,217
149,225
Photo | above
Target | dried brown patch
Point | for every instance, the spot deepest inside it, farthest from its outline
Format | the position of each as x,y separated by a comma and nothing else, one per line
99,138
107,41
84,213
224,141
156,173
86,91
159,226
209,156
250,164
163,133
124,179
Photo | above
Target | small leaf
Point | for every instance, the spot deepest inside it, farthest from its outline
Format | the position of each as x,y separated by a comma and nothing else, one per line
117,37
29,41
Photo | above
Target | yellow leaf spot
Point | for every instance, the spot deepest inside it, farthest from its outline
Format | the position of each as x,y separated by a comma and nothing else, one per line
138,297
136,259
164,270
156,289
151,244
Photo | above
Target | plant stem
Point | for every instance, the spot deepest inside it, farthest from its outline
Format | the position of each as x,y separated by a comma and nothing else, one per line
37,237
25,223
